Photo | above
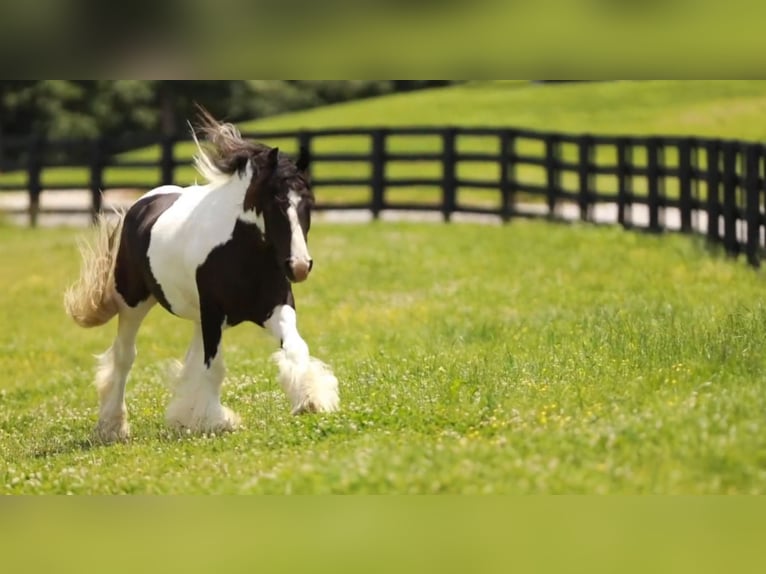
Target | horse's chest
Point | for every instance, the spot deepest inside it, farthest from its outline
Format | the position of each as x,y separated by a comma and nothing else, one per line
180,244
241,278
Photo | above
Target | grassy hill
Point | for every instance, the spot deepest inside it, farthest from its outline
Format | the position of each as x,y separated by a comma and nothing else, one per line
718,108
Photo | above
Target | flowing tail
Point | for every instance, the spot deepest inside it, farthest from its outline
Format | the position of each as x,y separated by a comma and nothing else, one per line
92,300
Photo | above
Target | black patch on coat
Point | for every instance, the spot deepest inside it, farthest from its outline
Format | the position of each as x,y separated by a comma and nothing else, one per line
239,281
133,274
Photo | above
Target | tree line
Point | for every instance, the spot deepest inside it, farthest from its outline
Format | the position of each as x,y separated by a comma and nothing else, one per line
92,108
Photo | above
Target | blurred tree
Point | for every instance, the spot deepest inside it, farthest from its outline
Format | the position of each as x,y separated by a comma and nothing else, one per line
74,108
32,106
71,109
83,109
411,85
175,101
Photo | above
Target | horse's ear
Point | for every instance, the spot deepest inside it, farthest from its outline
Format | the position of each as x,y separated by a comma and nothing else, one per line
240,162
273,158
304,159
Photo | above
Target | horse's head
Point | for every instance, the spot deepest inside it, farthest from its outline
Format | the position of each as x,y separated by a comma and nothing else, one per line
280,194
278,197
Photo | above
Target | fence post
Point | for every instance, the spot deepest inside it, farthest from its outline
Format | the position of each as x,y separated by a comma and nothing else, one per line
713,194
98,155
304,143
685,183
34,183
553,174
624,187
167,160
653,176
449,182
730,240
378,172
507,174
753,197
694,174
2,153
585,153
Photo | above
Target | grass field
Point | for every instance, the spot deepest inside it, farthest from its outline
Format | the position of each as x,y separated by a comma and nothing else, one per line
714,108
530,358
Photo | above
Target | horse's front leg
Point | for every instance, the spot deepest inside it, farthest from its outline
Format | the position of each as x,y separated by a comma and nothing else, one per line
196,403
309,383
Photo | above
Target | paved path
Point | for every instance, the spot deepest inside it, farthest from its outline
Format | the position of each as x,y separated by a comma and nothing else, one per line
603,213
13,206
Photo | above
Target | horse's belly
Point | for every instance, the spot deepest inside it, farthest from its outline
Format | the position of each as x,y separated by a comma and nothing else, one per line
177,282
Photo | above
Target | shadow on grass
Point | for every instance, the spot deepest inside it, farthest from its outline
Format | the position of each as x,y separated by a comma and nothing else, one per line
64,448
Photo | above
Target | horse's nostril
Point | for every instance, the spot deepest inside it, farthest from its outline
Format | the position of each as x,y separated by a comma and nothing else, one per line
298,271
311,264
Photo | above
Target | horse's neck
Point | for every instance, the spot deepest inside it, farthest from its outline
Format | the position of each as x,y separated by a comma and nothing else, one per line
236,186
209,209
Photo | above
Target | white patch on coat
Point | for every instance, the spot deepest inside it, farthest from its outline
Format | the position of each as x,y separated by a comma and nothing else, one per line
299,251
254,218
196,404
283,325
201,219
309,384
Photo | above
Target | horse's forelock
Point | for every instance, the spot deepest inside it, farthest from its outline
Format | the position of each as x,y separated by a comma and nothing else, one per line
300,185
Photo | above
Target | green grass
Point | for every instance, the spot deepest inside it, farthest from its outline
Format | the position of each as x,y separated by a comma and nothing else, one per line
530,358
711,108
670,107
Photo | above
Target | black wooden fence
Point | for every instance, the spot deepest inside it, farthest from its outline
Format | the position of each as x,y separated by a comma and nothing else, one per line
706,186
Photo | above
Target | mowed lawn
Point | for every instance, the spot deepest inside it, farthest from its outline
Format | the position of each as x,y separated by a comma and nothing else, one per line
531,358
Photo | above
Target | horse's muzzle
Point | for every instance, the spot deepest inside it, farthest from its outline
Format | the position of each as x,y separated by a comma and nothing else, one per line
298,271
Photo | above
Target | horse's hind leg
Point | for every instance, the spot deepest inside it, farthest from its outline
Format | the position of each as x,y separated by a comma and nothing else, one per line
112,374
196,403
309,383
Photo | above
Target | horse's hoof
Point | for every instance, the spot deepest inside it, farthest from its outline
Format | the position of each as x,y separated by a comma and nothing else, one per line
229,421
328,404
221,420
110,432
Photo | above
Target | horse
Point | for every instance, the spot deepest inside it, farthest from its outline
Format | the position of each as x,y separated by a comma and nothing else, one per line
217,254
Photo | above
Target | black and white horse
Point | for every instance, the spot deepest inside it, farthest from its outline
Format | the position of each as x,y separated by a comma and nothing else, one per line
216,254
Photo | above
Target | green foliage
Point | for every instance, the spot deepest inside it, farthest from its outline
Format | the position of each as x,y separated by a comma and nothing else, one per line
531,358
88,108
73,108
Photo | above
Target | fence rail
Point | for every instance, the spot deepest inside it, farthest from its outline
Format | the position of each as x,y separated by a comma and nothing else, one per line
710,186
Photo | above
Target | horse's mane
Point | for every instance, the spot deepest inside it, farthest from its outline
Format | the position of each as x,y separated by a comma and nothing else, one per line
226,148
